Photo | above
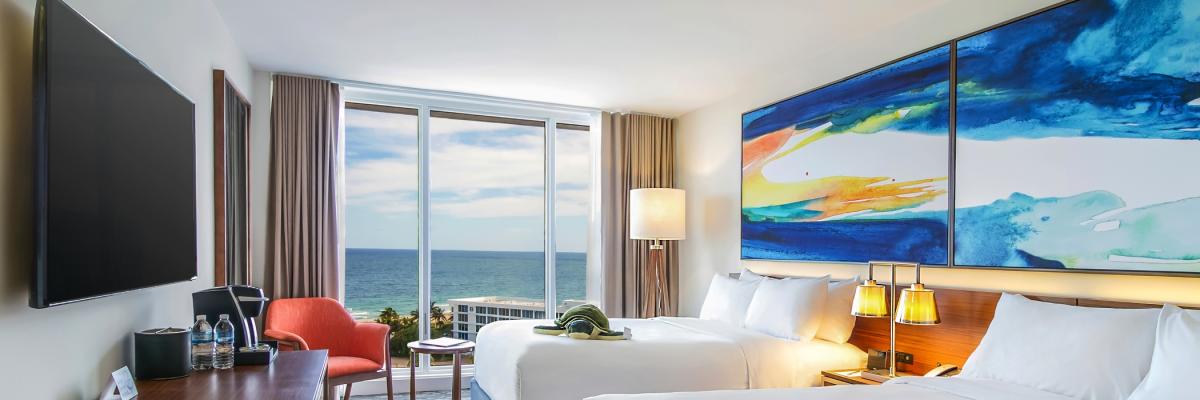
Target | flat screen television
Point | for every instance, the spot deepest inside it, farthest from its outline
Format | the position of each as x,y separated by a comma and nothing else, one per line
115,173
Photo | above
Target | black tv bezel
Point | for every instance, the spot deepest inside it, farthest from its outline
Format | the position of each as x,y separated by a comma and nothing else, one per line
41,114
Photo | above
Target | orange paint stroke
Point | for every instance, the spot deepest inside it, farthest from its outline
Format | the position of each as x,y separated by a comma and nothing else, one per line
760,147
840,195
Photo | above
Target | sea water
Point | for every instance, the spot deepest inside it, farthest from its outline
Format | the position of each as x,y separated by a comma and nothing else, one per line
378,278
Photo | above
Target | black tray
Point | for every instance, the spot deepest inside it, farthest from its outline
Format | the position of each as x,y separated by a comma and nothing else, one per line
257,357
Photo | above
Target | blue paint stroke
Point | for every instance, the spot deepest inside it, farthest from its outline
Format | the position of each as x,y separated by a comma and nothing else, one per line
1125,69
1064,232
918,240
918,80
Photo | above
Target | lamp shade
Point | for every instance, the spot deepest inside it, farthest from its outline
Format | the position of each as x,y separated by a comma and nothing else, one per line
656,214
917,306
870,300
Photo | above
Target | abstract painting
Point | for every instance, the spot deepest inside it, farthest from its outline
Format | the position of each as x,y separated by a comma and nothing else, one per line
1078,139
853,171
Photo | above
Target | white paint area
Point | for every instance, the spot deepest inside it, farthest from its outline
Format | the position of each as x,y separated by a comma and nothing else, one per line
1195,102
1141,171
893,154
1107,226
1148,260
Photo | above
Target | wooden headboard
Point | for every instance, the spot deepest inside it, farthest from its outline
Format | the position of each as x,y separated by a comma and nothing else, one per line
966,315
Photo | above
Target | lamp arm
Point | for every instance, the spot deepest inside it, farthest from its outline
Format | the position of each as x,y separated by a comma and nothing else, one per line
892,322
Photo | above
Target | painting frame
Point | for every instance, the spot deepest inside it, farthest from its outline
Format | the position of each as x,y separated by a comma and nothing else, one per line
952,165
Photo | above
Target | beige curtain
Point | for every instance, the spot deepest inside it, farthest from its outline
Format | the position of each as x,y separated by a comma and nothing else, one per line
638,152
302,237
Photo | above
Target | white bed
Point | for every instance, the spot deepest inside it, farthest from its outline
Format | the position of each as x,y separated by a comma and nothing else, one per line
897,389
664,355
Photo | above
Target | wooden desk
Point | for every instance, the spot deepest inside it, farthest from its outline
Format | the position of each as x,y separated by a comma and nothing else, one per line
295,375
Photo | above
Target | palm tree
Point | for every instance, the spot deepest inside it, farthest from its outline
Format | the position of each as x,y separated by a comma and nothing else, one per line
436,314
388,316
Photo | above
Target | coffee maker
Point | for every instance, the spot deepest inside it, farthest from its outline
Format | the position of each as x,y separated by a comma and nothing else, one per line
242,303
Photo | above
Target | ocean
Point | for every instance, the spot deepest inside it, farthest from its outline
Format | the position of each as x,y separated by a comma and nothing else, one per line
378,278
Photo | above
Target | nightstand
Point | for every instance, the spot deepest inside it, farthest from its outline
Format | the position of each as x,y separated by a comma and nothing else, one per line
849,377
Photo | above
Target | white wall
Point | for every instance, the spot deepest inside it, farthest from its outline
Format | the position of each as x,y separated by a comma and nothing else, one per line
67,352
708,168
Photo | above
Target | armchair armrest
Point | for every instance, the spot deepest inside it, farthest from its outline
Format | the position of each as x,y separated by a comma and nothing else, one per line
371,341
285,337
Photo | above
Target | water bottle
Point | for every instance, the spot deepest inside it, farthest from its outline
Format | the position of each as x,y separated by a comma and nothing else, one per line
224,334
202,344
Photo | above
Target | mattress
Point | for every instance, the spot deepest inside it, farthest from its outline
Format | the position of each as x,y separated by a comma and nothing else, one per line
664,355
897,389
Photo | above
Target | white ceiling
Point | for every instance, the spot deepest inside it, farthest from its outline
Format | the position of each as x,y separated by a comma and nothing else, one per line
663,57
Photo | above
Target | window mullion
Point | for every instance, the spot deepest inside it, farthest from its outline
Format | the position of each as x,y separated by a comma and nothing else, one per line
424,258
550,247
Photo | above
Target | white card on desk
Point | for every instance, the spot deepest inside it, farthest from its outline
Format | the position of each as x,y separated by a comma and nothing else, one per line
124,383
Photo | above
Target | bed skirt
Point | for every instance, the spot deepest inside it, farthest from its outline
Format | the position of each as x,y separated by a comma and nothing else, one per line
477,392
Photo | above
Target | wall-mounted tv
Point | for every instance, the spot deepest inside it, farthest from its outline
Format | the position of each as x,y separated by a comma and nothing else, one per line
115,173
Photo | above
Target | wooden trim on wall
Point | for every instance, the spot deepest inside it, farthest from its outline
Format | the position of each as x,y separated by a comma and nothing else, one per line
219,278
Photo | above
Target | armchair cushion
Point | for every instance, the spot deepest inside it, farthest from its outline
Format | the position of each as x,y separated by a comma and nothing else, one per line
345,365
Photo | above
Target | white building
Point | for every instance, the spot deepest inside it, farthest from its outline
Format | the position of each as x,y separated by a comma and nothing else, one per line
471,314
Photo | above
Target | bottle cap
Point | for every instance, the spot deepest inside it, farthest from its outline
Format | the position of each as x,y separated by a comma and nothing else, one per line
223,316
201,317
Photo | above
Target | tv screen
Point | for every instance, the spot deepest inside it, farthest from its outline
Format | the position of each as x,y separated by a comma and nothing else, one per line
115,166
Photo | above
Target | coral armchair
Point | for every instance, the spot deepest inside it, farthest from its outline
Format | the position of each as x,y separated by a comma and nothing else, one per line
358,351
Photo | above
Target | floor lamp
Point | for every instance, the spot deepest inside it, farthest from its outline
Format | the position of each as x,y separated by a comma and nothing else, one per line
656,214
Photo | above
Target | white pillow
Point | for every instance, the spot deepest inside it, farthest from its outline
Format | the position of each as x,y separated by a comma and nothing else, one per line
1079,352
788,308
838,323
728,299
748,275
1173,365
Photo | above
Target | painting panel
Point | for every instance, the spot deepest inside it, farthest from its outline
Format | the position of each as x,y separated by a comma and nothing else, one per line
1078,139
853,171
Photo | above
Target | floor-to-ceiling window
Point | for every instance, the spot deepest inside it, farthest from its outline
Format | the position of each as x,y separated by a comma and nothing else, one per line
453,207
381,220
572,177
487,191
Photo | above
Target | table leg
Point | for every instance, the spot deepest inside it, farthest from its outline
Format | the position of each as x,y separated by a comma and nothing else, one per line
456,388
412,375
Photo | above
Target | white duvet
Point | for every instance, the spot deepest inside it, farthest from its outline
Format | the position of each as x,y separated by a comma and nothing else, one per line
665,355
896,389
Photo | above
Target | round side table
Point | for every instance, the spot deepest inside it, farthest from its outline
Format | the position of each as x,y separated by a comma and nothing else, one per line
416,348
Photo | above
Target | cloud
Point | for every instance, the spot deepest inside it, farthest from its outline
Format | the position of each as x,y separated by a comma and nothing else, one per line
470,176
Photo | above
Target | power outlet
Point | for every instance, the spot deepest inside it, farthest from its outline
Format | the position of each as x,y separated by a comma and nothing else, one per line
903,358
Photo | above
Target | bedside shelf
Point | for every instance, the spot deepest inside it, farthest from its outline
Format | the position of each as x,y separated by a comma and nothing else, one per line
849,377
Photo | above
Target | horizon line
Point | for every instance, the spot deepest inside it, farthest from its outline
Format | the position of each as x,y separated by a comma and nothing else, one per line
487,251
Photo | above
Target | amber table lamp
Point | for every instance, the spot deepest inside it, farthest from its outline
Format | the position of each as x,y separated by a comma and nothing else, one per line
917,305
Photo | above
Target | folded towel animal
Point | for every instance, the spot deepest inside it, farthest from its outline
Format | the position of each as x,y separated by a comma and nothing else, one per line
581,322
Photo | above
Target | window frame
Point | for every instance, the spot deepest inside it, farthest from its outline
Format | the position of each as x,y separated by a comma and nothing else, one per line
428,102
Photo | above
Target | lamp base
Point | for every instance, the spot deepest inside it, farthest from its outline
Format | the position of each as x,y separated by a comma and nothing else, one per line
877,375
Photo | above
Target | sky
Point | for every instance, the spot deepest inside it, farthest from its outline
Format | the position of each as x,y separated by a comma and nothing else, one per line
486,184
